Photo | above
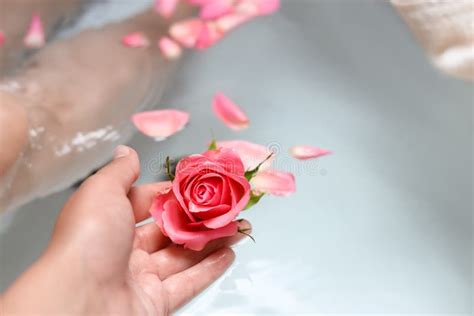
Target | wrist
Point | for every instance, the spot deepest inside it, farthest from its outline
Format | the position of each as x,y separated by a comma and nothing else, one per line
55,284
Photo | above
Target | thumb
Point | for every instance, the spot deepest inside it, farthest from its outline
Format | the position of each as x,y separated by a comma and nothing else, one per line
121,173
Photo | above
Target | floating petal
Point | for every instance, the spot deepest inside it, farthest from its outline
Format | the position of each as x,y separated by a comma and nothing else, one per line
229,112
249,7
274,182
35,37
216,8
209,36
266,7
135,40
169,48
186,32
2,38
258,7
199,2
231,21
304,152
165,8
160,124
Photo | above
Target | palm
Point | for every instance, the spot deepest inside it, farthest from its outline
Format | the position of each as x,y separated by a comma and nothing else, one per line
133,266
140,272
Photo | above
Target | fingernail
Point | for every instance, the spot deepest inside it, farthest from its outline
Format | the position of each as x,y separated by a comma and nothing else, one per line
121,151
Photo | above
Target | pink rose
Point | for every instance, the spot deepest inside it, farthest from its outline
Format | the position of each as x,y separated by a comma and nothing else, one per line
202,203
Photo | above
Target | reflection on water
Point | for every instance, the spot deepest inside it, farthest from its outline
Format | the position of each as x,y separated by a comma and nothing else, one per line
86,140
252,286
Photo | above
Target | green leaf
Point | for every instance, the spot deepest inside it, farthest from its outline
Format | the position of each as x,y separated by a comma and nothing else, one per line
252,173
254,199
168,169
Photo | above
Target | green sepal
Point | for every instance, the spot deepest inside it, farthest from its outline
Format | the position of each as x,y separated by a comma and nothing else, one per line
244,231
212,145
254,199
253,172
168,169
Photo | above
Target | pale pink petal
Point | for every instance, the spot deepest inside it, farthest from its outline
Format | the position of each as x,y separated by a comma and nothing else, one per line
274,182
35,35
163,194
2,38
228,159
165,8
231,21
307,152
229,112
258,7
199,2
209,36
250,153
216,8
135,40
186,32
249,7
169,48
266,7
160,124
176,226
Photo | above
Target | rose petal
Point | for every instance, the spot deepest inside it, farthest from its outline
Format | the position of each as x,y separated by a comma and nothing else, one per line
160,124
2,38
199,2
189,161
258,7
307,152
229,112
250,153
266,7
228,22
176,227
228,217
209,36
35,37
191,166
274,182
212,179
169,48
213,210
228,159
135,40
165,8
249,7
163,195
216,8
186,32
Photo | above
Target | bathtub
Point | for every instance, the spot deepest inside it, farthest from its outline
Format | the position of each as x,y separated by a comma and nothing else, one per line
384,225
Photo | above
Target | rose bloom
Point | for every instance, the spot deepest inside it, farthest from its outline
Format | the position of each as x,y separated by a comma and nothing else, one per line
204,199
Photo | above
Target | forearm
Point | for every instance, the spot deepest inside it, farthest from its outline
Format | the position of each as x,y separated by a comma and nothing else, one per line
53,285
79,95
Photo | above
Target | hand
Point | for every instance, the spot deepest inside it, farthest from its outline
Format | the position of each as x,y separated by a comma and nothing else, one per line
99,263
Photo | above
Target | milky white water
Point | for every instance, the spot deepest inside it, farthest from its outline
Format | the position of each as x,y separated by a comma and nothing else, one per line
383,225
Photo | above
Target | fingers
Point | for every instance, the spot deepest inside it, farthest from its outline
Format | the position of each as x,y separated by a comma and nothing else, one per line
183,286
175,259
142,197
150,238
119,174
